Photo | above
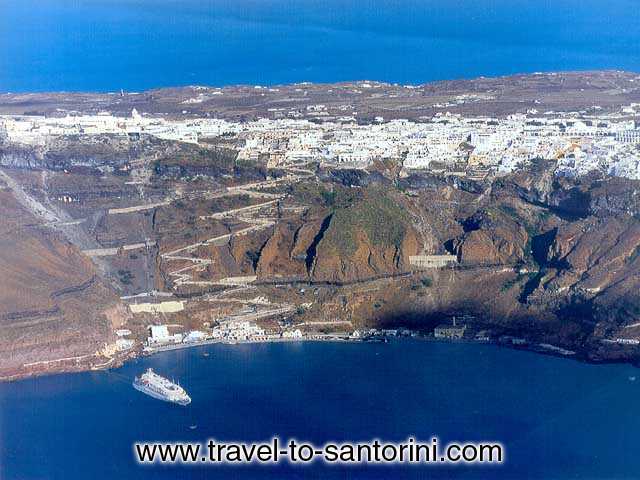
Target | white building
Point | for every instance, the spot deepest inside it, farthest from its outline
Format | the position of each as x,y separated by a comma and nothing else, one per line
159,335
292,334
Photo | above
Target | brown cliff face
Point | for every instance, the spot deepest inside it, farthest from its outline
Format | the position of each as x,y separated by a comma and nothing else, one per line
52,301
599,246
305,239
538,255
366,260
493,237
283,256
371,236
599,260
492,247
557,261
553,259
549,258
355,238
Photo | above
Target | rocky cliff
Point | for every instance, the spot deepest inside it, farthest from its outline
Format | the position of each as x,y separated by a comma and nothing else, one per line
550,258
53,303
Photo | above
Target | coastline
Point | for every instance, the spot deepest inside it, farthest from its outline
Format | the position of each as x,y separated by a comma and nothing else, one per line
587,347
136,353
333,240
424,387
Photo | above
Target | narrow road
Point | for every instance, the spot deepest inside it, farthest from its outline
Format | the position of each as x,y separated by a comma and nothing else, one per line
185,274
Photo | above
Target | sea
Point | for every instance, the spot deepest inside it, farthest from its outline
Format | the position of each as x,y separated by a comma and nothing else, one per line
557,418
108,45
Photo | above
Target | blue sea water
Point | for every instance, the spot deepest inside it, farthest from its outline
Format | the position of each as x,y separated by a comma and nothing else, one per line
106,45
557,418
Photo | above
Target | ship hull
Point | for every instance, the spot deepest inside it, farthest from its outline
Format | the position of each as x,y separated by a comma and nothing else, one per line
158,396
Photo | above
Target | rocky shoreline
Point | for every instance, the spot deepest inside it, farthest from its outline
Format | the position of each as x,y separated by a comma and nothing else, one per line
581,354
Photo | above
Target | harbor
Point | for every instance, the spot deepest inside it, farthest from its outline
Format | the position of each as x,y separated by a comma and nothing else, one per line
311,390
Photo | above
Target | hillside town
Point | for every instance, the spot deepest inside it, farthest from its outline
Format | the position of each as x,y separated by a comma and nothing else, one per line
302,215
446,143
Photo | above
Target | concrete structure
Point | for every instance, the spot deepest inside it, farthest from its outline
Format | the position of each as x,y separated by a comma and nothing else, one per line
123,344
159,335
237,281
159,332
238,330
432,261
452,331
106,252
292,334
195,336
162,307
628,136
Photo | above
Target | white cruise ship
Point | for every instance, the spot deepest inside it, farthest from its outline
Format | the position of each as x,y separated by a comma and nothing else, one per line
161,388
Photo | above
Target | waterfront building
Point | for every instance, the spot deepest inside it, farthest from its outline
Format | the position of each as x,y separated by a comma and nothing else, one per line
448,331
159,335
